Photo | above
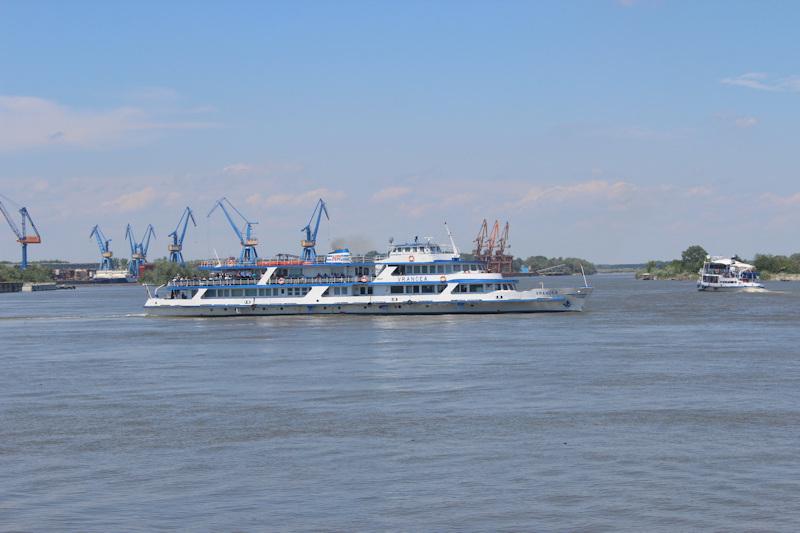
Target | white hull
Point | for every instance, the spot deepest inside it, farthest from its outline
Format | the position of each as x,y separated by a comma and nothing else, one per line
533,301
728,287
113,276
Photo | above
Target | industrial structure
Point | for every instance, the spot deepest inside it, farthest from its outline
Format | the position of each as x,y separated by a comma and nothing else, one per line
248,255
490,248
106,255
176,246
138,249
310,242
22,234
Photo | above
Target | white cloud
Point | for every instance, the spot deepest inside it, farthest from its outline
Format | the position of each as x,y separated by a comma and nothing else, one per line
738,121
238,168
390,193
745,122
763,82
294,199
30,122
133,201
561,193
701,190
783,201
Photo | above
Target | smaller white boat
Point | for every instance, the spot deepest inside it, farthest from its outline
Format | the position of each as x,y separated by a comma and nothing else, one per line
114,276
728,274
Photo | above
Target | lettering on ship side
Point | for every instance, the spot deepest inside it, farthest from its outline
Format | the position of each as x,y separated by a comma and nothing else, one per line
416,278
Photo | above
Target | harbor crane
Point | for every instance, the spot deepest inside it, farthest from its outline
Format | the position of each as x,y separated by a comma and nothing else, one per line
176,246
490,247
106,261
22,235
310,242
248,255
138,249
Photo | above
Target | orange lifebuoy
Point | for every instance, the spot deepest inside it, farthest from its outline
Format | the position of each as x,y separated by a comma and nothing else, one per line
411,258
231,262
442,278
281,281
364,279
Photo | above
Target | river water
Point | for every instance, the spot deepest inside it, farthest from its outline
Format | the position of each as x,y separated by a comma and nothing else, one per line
659,408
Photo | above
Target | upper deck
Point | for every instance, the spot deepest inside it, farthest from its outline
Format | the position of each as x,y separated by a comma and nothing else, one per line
419,253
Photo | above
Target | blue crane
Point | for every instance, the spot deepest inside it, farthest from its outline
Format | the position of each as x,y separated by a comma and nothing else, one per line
245,234
138,249
310,242
22,235
176,247
106,261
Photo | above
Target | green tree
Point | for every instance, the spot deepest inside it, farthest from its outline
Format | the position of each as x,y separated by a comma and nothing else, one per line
163,271
34,273
692,258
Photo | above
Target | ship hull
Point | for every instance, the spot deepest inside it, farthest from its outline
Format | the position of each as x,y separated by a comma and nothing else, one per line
712,287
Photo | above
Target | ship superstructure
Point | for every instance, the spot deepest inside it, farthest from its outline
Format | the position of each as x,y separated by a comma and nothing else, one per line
727,274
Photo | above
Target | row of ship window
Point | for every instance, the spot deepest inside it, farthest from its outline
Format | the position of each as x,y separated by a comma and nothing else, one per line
430,289
253,293
281,291
344,291
402,270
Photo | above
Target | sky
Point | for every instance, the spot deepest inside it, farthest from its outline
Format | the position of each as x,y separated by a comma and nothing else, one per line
613,130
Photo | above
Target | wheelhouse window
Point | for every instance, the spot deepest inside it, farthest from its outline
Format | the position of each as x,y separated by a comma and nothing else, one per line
396,289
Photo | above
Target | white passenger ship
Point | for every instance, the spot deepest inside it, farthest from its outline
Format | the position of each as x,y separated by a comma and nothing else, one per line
413,278
727,274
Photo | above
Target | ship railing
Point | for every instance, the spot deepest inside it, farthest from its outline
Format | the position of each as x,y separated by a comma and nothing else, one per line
276,280
320,280
321,260
211,282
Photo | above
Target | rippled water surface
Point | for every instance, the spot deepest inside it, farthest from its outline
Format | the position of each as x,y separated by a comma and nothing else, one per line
660,408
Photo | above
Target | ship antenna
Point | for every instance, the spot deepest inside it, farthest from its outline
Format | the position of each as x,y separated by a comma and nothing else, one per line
452,242
585,283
